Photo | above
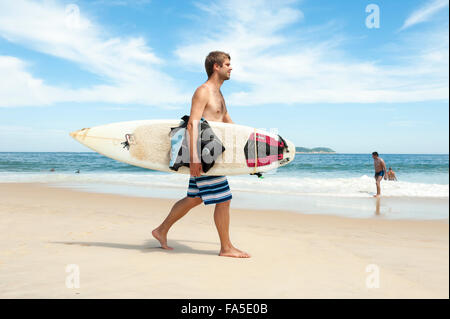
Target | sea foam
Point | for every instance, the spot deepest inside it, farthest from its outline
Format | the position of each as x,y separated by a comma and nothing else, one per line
363,186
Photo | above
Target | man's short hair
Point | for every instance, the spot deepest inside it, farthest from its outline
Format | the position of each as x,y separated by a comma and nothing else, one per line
375,153
215,57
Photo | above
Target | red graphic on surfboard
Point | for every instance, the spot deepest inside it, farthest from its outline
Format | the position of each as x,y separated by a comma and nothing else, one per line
268,150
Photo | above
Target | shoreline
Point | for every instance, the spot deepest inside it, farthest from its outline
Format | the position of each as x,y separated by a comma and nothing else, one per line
406,208
362,207
294,255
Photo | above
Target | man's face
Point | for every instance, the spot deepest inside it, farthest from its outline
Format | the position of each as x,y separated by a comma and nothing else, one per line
374,156
224,71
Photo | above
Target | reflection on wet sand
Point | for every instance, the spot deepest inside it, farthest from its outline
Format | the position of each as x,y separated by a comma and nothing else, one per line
377,205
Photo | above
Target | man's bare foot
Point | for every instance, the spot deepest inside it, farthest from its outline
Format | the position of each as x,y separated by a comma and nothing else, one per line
233,252
162,238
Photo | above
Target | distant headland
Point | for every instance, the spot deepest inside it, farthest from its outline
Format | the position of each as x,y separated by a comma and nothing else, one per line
315,150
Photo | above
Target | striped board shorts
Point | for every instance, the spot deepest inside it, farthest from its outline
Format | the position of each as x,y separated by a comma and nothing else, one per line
211,189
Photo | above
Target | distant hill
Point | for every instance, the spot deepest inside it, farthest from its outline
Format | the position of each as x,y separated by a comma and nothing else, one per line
315,150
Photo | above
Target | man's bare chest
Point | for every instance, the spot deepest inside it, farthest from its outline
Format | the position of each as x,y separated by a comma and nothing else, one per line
215,105
378,163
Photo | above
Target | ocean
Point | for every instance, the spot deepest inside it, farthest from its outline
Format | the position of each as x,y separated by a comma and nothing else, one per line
341,184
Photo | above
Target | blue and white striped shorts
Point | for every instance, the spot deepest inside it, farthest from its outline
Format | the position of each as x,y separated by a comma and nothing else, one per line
211,189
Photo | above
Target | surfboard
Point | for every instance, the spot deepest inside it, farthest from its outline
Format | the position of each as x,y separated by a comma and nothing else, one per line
146,143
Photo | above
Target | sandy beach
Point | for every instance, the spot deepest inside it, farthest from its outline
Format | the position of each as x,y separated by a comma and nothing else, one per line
107,237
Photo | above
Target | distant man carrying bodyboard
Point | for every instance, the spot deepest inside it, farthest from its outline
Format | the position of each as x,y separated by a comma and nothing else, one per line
380,171
207,103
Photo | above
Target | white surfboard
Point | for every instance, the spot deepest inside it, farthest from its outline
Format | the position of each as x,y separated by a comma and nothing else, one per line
149,146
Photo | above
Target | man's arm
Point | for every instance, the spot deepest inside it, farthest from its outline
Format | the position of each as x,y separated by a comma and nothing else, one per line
199,101
226,117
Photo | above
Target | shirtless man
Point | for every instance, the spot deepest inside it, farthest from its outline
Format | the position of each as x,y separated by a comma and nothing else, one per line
380,171
391,175
208,103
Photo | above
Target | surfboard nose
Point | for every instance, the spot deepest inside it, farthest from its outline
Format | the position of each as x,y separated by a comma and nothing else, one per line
73,134
77,134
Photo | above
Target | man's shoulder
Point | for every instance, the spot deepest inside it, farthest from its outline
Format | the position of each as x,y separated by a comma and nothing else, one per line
202,89
202,92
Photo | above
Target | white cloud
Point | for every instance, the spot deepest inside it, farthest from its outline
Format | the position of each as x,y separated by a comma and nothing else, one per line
280,67
424,13
18,87
128,65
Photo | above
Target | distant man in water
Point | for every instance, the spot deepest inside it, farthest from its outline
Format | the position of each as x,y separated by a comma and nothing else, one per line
391,175
380,171
207,103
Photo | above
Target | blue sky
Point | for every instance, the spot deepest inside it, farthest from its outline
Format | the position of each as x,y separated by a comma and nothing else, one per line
313,70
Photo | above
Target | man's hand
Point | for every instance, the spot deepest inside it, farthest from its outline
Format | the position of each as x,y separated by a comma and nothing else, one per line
196,169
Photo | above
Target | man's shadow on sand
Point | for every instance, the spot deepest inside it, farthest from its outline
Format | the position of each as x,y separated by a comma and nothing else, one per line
148,247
